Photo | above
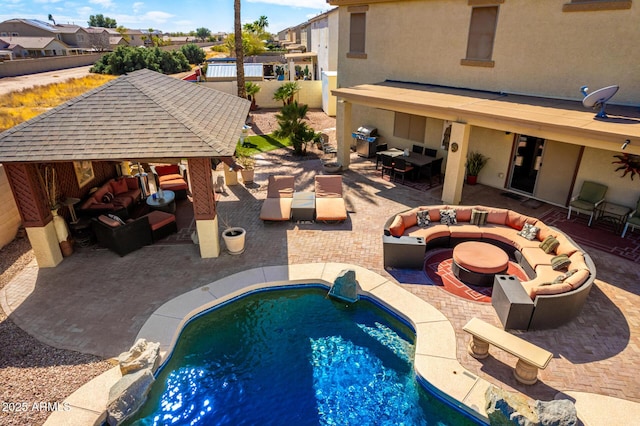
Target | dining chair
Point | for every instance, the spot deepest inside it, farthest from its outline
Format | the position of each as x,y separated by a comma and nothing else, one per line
379,148
401,167
430,152
435,170
387,165
418,149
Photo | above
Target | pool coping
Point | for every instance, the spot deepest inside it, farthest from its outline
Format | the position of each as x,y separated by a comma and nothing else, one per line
435,364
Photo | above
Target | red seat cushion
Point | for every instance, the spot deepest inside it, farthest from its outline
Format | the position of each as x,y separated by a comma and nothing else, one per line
158,219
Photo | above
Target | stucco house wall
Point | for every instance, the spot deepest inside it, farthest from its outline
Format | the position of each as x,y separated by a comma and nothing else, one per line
9,216
538,49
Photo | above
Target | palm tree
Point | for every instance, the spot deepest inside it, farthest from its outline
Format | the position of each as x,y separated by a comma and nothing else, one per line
286,92
242,92
292,125
262,23
251,89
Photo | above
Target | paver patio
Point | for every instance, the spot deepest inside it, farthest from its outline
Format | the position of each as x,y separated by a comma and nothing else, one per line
96,302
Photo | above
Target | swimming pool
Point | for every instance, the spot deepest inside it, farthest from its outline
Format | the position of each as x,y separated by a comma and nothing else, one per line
294,356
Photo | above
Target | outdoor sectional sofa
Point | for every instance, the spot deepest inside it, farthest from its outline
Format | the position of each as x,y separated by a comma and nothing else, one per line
555,303
114,196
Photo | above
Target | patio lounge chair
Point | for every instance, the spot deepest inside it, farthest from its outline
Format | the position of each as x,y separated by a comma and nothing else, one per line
330,205
590,197
277,205
633,220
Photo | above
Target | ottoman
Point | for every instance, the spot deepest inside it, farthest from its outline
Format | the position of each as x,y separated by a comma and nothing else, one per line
477,263
162,224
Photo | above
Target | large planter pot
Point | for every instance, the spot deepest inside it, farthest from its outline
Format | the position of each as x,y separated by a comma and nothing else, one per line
247,175
472,180
234,239
332,168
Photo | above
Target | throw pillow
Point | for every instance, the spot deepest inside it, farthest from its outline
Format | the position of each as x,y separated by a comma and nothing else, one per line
479,217
423,218
561,278
107,198
116,218
108,221
549,244
448,217
529,232
560,262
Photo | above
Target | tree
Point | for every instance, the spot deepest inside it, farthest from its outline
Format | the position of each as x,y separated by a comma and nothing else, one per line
123,32
101,21
193,53
292,125
286,92
238,49
127,59
203,33
50,18
262,23
252,89
251,44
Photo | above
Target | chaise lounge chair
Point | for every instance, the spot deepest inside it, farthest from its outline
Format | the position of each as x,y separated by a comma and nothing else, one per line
330,205
277,205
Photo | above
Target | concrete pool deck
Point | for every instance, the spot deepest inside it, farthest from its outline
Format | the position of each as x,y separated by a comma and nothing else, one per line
435,353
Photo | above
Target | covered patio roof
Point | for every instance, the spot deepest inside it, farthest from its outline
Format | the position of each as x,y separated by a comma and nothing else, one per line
562,120
140,115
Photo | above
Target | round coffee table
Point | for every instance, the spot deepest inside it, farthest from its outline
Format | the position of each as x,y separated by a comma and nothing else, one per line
477,263
166,204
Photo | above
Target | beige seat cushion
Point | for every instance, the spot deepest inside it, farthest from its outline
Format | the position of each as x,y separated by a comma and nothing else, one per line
535,256
435,230
328,186
465,230
330,209
276,209
281,186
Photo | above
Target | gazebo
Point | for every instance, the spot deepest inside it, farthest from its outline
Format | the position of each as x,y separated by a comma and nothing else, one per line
143,117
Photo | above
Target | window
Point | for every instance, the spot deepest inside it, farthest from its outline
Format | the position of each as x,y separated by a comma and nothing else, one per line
357,32
482,32
408,126
595,5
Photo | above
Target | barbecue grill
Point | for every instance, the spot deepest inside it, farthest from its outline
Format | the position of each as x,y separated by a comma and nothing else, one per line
366,141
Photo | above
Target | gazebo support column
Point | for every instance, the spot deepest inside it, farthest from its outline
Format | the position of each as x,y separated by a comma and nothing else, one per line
204,206
32,201
454,175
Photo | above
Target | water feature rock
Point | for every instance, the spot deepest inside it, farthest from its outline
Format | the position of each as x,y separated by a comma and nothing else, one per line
128,395
142,354
506,408
560,412
345,286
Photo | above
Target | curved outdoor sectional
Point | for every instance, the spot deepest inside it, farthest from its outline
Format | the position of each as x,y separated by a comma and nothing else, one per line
558,294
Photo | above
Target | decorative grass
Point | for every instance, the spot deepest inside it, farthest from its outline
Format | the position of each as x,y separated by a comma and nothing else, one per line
260,143
25,104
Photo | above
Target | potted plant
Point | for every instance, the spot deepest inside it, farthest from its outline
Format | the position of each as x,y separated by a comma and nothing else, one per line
279,73
248,168
234,237
475,162
252,88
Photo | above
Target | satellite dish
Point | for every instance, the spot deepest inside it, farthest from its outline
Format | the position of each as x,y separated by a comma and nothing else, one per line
598,99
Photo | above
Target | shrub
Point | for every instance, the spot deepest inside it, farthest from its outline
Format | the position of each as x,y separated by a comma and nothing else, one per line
127,59
193,53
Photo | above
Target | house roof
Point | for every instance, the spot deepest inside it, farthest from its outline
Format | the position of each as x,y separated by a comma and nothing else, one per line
31,42
229,70
556,119
141,115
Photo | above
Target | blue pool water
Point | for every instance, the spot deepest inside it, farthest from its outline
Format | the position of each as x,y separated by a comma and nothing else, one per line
294,357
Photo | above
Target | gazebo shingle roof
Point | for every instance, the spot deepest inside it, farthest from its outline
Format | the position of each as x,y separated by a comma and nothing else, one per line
144,114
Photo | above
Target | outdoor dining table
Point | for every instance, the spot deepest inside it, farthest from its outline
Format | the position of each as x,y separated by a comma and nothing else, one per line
417,160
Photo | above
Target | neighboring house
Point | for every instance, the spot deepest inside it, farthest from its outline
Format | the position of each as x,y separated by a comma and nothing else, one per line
33,47
75,37
102,39
136,38
499,77
179,40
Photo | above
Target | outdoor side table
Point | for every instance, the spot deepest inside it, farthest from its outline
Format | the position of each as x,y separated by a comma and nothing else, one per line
613,213
303,206
165,204
404,252
513,305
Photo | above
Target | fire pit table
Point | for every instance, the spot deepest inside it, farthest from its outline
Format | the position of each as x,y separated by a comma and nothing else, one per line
477,263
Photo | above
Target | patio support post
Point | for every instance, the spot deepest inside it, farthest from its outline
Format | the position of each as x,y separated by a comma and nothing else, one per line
33,205
204,206
456,159
343,132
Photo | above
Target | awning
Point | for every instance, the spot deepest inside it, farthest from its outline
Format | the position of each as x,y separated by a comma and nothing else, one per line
555,119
